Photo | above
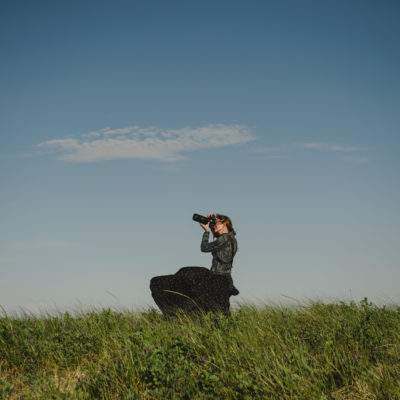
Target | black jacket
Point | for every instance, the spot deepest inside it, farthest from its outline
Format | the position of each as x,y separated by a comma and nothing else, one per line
223,249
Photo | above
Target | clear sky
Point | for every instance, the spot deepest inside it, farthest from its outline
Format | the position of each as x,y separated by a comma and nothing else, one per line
120,119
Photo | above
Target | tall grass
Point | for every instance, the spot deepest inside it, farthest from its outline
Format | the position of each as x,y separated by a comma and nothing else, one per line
314,351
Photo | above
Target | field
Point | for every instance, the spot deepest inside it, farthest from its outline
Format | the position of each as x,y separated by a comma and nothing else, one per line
312,351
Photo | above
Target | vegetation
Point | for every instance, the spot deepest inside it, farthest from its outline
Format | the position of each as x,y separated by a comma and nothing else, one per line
314,351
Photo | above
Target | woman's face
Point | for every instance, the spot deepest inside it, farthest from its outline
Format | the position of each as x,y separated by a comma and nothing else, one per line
220,227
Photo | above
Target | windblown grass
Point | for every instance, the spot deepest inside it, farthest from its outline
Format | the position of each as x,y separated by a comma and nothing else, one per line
314,351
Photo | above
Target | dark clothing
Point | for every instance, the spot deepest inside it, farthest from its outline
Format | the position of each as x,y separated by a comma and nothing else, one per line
193,289
223,249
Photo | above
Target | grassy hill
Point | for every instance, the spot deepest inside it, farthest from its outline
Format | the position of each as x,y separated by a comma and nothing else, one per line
314,351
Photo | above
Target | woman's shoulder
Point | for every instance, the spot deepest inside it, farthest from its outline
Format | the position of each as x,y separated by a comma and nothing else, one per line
226,237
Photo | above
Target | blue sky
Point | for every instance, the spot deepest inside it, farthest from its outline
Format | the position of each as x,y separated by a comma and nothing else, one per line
119,120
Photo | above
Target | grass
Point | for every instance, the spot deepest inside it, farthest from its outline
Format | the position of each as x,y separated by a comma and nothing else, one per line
314,351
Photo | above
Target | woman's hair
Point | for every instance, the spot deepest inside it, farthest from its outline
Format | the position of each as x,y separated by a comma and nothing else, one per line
226,220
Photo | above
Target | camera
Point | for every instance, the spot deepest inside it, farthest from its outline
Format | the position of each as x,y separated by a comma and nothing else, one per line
205,220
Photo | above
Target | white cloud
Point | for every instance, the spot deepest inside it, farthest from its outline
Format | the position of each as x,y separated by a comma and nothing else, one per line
150,143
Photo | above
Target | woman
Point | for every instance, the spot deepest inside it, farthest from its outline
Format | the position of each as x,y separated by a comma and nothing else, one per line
224,247
198,288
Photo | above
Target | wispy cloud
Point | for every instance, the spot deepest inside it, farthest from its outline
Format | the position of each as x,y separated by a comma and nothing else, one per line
326,146
268,153
355,158
150,143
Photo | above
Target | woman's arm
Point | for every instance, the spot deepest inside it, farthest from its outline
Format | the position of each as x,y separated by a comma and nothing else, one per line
212,246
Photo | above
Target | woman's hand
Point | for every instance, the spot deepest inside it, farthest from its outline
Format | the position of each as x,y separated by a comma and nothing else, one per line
206,227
